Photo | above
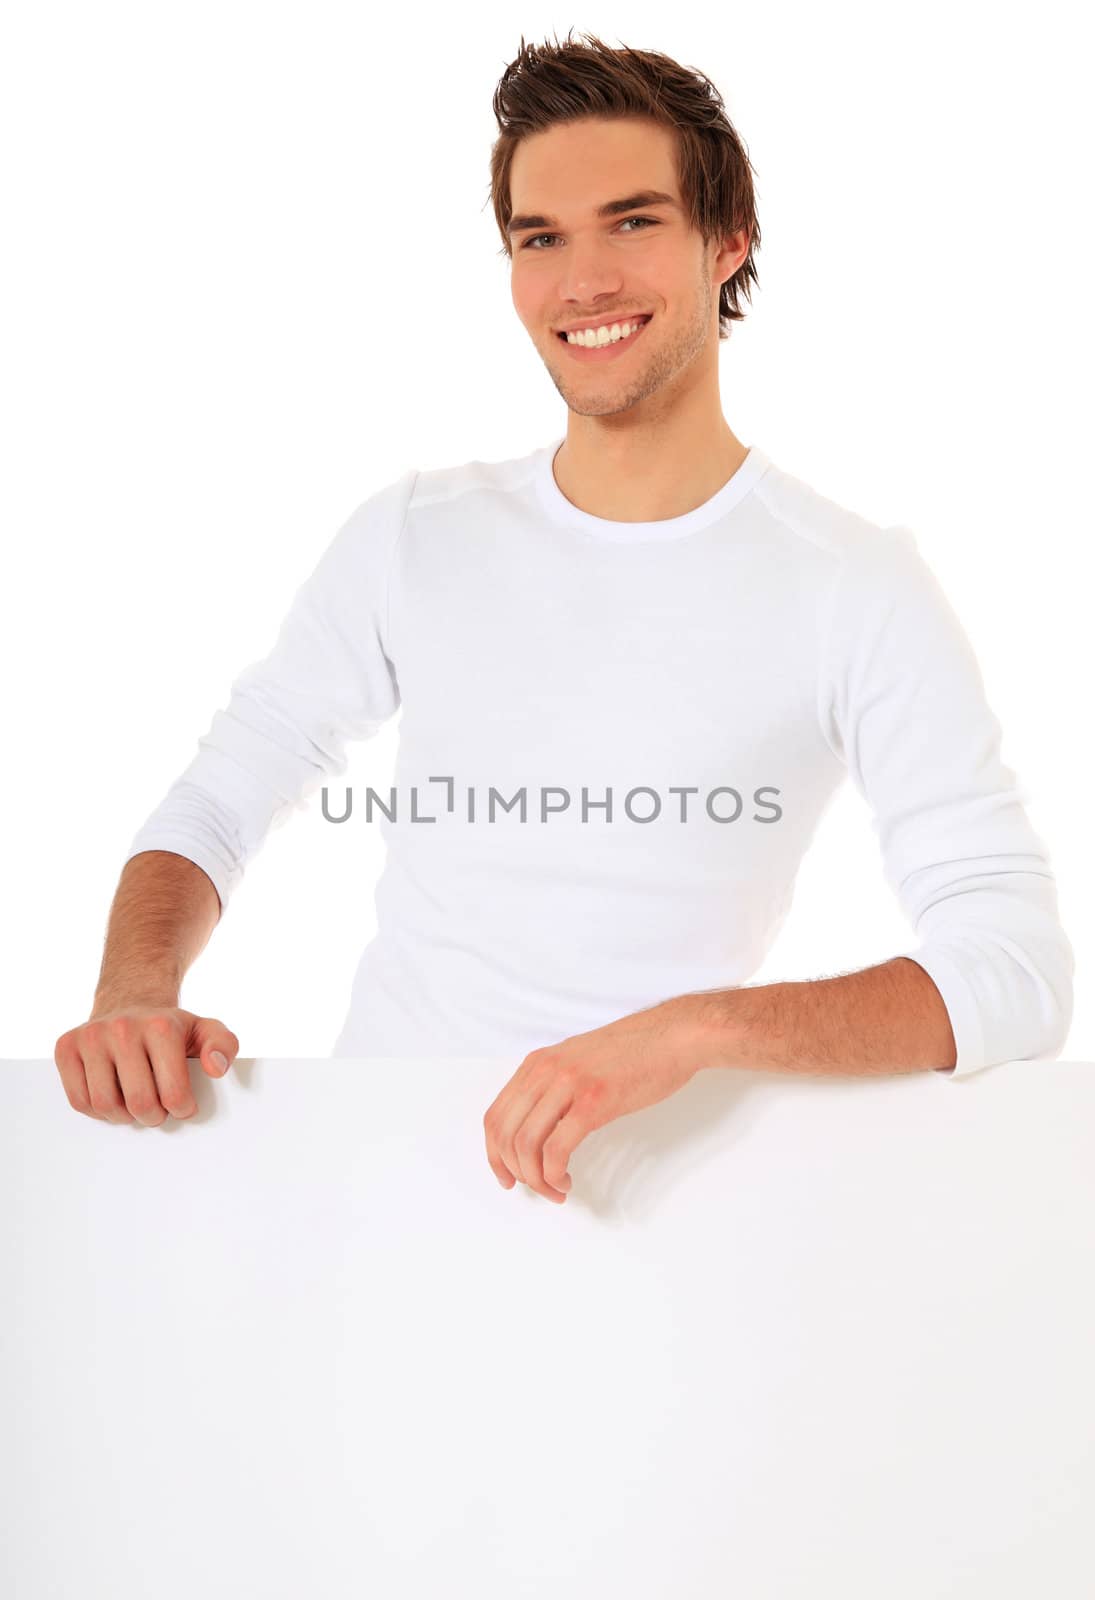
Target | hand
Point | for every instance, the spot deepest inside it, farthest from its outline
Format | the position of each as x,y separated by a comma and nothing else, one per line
130,1064
563,1091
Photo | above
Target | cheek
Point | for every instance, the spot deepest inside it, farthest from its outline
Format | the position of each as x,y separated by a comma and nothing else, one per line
526,300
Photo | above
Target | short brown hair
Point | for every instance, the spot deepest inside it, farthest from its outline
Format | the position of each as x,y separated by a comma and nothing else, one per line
556,83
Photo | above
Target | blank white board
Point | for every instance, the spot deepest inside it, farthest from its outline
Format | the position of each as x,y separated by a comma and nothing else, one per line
789,1336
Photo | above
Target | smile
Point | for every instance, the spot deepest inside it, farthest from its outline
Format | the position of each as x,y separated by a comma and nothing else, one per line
603,352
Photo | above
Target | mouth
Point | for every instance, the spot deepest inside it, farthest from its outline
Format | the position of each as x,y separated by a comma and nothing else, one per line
601,352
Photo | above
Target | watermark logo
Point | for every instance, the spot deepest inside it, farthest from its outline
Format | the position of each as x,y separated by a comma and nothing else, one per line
722,804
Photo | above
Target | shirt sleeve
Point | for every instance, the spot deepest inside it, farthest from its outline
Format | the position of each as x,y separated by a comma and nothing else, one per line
328,680
902,702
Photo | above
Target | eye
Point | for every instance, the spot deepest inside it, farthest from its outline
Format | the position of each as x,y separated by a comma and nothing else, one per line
650,221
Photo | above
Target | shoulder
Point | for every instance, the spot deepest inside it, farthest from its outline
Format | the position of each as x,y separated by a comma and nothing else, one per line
815,522
442,484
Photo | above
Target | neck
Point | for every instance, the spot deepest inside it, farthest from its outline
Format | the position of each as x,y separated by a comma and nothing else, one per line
629,472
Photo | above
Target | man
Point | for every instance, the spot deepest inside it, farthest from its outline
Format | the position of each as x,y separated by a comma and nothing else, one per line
634,667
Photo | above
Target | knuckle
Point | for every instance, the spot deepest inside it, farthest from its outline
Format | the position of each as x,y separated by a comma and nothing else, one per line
65,1054
161,1025
120,1027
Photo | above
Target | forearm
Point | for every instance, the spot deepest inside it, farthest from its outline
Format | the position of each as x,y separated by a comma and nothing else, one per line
884,1019
164,911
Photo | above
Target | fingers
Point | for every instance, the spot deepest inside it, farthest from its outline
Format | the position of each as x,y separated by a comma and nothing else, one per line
104,1091
136,1079
165,1043
132,1065
120,1075
215,1046
498,1167
557,1151
522,1153
70,1064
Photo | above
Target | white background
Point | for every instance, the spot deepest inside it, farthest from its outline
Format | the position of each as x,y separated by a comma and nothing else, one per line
251,274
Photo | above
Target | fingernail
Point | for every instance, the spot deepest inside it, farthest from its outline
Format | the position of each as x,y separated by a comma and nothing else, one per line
219,1061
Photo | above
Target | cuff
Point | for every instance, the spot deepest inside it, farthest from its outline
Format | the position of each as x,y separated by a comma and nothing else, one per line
961,1007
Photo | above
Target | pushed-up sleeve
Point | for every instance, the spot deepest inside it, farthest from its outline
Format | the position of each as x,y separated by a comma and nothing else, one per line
902,703
327,681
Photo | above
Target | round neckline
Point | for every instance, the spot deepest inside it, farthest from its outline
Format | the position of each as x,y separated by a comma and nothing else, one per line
560,509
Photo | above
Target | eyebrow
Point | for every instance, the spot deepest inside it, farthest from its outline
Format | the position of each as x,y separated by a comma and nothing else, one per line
611,208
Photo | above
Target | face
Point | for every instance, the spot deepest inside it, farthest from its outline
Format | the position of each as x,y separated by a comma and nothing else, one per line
571,266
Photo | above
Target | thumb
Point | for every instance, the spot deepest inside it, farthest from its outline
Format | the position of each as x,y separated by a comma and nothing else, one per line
216,1046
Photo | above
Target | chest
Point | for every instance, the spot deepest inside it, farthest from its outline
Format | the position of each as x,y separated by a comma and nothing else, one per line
619,658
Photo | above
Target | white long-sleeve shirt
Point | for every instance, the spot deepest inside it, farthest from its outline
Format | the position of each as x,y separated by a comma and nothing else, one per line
678,702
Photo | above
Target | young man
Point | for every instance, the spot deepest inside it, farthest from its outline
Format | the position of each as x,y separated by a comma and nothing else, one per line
634,667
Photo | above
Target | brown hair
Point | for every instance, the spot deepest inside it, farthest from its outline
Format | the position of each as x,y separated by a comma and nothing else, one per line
550,84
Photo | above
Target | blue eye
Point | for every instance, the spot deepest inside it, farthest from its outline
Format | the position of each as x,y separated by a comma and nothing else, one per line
652,221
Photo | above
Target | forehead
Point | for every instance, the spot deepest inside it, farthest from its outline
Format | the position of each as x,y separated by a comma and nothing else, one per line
572,168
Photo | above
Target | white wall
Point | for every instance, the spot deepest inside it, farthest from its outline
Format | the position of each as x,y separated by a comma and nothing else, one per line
784,1338
248,253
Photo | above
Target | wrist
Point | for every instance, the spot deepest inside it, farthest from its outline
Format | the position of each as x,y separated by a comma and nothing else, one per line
707,1026
108,1000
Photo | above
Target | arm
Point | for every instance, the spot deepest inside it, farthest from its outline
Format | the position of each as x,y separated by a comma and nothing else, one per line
164,911
327,681
901,701
885,1019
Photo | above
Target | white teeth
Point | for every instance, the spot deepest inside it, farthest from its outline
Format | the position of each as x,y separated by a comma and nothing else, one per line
608,333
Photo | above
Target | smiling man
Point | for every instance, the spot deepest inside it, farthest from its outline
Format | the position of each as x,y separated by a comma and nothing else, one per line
634,666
